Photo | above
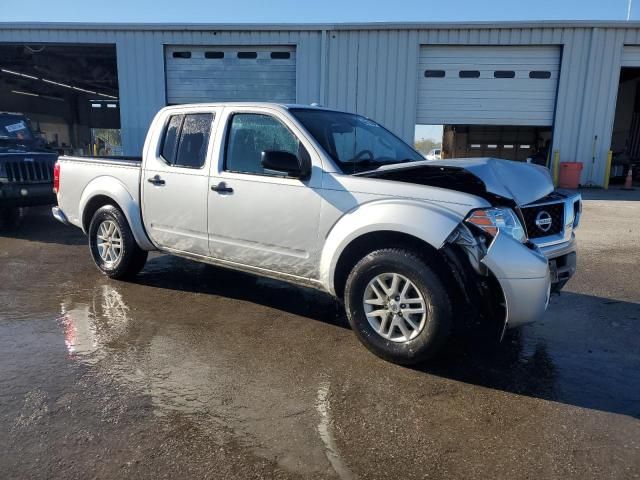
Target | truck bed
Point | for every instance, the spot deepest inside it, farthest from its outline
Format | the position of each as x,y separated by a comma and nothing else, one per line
122,160
82,175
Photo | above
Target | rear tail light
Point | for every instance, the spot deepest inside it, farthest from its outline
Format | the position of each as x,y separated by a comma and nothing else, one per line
56,177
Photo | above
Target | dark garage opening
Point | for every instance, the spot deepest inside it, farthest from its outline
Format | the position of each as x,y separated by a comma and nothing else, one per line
68,92
625,138
510,142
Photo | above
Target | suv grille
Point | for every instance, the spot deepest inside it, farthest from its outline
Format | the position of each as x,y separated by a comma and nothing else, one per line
537,218
29,172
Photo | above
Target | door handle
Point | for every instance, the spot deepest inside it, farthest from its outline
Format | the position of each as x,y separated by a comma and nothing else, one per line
221,188
157,181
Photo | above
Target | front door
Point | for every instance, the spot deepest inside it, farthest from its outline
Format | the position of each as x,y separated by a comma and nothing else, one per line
175,184
258,217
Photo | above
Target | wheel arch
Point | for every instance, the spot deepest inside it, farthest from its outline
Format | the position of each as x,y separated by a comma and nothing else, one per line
409,224
110,191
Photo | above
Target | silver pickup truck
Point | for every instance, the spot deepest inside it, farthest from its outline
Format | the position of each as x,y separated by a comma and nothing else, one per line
334,201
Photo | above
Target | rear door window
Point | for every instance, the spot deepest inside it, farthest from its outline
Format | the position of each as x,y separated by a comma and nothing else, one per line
194,139
186,139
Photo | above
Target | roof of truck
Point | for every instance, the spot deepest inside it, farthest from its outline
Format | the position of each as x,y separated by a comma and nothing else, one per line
286,106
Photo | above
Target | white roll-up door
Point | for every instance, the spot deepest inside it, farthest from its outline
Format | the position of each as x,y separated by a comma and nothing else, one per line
197,74
487,85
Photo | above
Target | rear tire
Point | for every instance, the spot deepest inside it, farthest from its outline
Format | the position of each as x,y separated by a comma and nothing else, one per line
113,246
398,306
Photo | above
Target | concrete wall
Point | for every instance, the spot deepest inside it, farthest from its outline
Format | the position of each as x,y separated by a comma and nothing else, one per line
372,69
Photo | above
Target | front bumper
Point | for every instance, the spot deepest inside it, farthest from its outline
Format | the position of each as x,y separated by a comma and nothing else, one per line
524,277
562,262
26,194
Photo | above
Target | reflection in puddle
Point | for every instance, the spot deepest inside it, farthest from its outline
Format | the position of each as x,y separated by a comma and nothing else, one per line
323,407
201,372
89,328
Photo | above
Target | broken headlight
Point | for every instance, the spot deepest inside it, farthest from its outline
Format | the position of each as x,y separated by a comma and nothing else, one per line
494,220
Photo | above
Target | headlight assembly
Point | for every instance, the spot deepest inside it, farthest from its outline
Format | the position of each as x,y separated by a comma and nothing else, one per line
494,220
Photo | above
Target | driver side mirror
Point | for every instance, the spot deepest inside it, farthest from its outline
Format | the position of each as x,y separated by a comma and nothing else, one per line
284,162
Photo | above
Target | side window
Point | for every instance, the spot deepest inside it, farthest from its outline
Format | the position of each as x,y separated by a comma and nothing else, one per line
249,135
185,140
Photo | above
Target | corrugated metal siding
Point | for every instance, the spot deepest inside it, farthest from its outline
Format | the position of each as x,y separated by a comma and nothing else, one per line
373,73
487,100
373,70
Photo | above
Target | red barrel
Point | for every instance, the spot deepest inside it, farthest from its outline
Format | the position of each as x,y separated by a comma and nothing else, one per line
570,174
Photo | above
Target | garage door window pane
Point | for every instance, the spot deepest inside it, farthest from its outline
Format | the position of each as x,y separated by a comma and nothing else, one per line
504,74
434,73
249,135
541,74
194,138
170,140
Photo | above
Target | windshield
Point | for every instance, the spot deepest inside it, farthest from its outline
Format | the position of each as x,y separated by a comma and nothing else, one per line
355,143
14,127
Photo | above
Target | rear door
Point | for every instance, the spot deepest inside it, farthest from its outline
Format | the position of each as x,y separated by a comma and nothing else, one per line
175,182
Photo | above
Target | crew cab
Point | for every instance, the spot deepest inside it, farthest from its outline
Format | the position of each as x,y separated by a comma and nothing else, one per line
26,168
334,201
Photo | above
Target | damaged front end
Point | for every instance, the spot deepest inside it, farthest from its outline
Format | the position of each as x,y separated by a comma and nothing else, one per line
499,272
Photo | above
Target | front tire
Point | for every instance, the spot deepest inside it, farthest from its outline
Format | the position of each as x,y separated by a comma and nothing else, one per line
398,306
113,246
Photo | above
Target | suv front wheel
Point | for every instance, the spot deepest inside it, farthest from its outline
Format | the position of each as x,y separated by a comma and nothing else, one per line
398,306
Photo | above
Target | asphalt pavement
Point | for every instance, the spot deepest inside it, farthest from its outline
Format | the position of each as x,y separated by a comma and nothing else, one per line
192,371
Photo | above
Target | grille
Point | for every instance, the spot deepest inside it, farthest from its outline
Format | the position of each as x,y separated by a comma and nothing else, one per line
29,172
555,211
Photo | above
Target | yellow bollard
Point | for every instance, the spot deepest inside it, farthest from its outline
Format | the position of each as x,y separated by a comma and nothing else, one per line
607,171
556,166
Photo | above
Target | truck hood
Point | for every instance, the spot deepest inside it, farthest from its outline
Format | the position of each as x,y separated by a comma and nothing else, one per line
485,177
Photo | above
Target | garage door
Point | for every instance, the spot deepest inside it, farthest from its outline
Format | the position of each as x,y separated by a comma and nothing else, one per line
219,74
486,85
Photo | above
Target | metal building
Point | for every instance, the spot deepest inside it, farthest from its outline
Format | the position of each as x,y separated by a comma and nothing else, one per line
500,89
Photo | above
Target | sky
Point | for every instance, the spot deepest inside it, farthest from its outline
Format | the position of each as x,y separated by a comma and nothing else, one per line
329,11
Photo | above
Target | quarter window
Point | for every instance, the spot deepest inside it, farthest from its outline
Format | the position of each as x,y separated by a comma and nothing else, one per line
170,141
249,135
186,139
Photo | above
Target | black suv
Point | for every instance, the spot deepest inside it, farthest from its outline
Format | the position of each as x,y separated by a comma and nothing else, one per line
26,168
